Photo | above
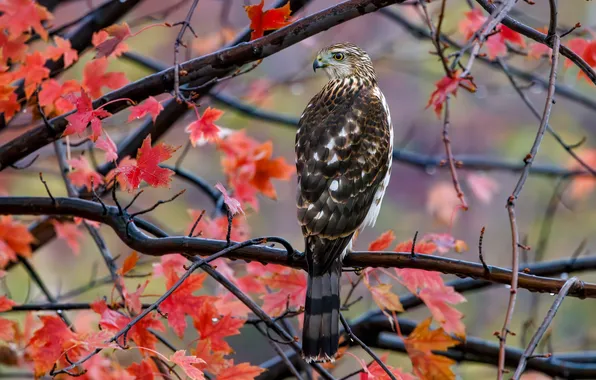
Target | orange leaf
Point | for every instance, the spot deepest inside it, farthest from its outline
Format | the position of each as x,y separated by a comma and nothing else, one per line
242,371
383,242
292,285
34,72
376,372
129,263
51,96
48,343
269,20
20,16
438,300
147,168
215,332
419,345
143,370
582,186
385,298
15,239
62,48
9,107
7,327
187,364
102,36
13,48
95,77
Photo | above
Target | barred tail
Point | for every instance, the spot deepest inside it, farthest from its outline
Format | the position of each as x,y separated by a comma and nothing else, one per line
320,337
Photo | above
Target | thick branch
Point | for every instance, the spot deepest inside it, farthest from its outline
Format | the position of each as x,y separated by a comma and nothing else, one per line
137,240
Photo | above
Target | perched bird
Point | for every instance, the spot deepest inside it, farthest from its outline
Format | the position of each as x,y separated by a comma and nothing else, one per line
343,159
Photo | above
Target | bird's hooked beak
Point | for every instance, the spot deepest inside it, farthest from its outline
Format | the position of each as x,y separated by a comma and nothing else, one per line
319,63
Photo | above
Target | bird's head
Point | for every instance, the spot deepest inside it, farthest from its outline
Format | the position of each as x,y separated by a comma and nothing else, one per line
344,60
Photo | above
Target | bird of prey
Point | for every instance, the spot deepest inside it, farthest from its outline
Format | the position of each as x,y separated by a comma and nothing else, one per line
343,159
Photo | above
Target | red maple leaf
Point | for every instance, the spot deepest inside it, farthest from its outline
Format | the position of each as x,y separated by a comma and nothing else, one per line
233,204
13,48
445,87
107,144
382,242
95,77
147,168
48,343
292,285
133,300
109,179
150,106
20,16
175,262
182,302
7,327
144,370
438,300
34,72
204,128
84,174
51,97
15,239
242,371
376,372
9,106
118,33
218,228
215,332
187,363
102,36
114,321
69,233
269,20
62,48
578,46
78,121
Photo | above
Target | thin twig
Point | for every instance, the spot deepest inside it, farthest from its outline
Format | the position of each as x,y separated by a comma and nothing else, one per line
185,25
450,159
543,326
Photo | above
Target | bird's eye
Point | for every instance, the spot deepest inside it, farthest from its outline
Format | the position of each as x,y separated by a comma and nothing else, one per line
338,56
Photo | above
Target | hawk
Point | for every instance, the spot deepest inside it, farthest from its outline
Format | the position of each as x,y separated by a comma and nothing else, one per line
343,159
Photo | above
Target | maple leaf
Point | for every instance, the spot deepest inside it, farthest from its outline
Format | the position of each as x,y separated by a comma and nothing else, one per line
15,239
48,343
7,327
95,77
420,344
34,72
51,96
100,37
150,106
269,20
442,203
211,326
445,242
438,300
122,182
483,186
445,87
108,145
233,204
143,370
20,16
69,233
9,107
382,242
83,174
62,48
92,223
204,129
537,50
385,298
214,362
129,263
292,285
13,48
118,33
242,371
174,262
182,302
133,300
146,167
114,321
78,121
375,371
248,163
187,364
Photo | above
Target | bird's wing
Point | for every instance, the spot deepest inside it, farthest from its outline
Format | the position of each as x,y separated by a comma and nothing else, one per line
342,153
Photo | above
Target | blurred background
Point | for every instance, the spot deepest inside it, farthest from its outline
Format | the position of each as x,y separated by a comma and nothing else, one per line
492,124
